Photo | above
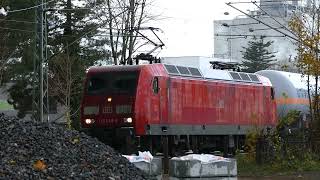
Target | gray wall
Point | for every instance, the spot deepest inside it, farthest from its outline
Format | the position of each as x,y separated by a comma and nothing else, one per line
226,45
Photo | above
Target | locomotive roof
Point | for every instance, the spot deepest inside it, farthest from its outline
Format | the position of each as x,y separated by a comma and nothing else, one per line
203,73
97,69
209,73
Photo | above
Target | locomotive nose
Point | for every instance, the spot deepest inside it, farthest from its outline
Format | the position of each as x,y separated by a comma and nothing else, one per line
116,111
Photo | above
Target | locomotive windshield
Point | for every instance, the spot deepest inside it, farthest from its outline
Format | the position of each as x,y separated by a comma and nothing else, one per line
112,83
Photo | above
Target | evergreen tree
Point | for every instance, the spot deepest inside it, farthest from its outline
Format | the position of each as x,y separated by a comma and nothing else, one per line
16,47
257,56
74,46
77,39
72,35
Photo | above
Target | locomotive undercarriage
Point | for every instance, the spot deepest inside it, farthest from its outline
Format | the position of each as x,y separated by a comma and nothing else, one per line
125,142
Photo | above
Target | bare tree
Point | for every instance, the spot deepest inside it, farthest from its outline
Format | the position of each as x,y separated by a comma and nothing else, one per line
306,26
124,29
63,82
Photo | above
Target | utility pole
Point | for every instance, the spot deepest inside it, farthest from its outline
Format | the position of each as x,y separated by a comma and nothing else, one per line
131,30
40,98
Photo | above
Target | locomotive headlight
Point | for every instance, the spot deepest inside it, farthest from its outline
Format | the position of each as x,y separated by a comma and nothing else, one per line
89,121
109,99
128,120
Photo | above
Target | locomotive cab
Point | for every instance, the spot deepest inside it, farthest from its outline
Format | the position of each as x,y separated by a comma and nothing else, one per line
109,97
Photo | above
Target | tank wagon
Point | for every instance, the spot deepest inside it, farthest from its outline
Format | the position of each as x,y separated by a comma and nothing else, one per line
139,106
291,91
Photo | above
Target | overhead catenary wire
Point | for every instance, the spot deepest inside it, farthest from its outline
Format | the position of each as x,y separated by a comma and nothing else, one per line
282,25
55,9
297,40
263,29
249,35
98,35
77,9
80,37
240,37
93,29
269,1
235,27
19,21
13,29
29,8
285,34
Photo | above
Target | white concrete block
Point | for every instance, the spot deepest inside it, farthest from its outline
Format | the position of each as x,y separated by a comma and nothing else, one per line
194,168
153,169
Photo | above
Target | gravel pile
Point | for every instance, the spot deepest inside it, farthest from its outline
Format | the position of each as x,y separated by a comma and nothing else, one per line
31,150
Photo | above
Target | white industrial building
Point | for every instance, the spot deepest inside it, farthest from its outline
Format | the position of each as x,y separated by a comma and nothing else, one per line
230,36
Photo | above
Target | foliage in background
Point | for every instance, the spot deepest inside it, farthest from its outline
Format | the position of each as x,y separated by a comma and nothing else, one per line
16,47
305,26
250,143
73,46
80,34
249,167
15,43
288,120
257,56
281,156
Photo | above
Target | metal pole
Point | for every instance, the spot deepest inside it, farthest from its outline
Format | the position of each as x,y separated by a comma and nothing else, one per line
47,65
40,86
41,62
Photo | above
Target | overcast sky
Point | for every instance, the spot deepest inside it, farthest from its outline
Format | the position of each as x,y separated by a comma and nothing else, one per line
188,25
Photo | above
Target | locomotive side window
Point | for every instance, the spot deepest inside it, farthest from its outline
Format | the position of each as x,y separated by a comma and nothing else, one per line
272,93
155,85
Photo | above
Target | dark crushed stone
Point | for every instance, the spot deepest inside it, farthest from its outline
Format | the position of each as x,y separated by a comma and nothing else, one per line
67,154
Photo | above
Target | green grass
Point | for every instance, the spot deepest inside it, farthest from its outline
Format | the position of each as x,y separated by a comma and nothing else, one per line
248,167
5,106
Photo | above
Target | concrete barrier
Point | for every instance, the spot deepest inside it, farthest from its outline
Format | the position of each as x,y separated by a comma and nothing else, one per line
153,169
195,168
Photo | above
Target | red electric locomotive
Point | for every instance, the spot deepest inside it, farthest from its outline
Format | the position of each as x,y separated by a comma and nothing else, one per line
195,109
